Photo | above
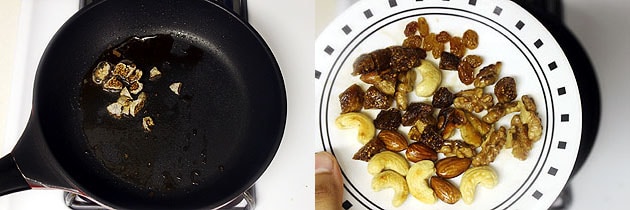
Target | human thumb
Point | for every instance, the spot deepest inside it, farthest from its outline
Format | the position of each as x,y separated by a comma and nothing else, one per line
328,182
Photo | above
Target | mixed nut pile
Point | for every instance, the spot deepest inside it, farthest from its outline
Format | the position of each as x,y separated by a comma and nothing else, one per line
434,153
124,78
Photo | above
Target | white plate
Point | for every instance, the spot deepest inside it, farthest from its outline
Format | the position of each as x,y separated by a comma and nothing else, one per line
507,33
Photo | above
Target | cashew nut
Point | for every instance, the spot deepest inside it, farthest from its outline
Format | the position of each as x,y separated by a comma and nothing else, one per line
431,79
482,175
361,122
390,179
388,160
418,178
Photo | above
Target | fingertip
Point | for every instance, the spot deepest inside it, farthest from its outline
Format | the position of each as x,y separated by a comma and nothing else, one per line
324,162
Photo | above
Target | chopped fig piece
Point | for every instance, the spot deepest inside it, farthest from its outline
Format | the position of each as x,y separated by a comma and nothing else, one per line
375,99
113,85
351,99
154,74
147,124
370,149
404,59
125,92
134,76
135,87
137,105
175,87
115,110
101,72
121,70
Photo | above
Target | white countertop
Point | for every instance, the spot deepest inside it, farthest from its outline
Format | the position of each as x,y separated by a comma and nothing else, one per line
287,183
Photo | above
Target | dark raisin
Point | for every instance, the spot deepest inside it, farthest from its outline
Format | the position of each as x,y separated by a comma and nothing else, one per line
414,112
414,41
443,98
411,28
388,119
432,138
449,61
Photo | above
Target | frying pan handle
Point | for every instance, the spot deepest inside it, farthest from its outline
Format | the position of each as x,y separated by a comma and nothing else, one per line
11,179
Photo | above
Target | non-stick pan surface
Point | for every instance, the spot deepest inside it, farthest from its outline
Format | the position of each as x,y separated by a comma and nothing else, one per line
210,143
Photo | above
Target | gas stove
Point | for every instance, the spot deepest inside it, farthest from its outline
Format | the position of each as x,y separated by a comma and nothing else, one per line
40,19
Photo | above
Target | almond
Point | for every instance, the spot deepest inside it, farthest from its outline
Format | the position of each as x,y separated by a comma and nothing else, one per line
418,151
445,191
451,166
393,140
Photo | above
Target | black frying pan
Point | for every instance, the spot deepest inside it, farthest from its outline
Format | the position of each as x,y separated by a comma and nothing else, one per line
210,143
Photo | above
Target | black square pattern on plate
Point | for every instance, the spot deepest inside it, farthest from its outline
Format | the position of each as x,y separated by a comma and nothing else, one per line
329,50
472,2
552,171
368,13
562,91
393,3
564,118
538,43
497,10
346,205
562,145
346,29
520,25
537,195
318,74
552,66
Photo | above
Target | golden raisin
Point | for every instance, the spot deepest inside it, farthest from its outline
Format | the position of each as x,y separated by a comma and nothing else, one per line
470,39
474,60
411,28
423,27
443,37
466,73
505,89
429,41
457,46
438,48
